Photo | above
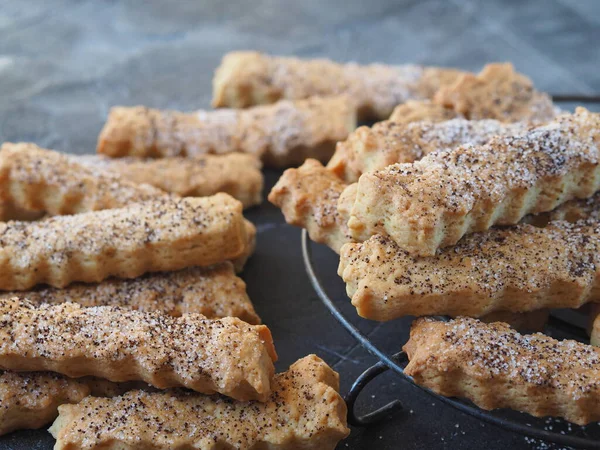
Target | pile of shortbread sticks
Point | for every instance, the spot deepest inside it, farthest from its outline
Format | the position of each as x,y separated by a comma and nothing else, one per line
123,314
479,204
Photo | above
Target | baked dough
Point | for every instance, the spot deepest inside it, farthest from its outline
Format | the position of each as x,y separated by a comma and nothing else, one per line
30,400
236,174
418,110
37,180
308,197
251,78
214,292
497,92
434,202
227,355
282,134
162,235
374,148
518,269
304,412
496,367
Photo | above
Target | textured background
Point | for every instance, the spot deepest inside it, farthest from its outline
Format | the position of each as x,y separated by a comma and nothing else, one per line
63,63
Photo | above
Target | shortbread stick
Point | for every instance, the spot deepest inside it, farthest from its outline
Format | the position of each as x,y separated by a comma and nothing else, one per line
497,92
435,201
236,174
36,181
39,180
251,78
374,148
304,412
282,134
418,110
158,236
496,367
308,197
214,292
227,355
30,400
518,269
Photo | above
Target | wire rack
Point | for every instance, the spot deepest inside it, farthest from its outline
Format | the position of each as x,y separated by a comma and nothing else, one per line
561,325
575,436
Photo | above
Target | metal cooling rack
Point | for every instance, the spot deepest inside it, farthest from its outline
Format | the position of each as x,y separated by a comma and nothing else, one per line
518,423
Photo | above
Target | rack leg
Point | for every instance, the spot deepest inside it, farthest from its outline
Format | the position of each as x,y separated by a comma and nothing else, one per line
361,382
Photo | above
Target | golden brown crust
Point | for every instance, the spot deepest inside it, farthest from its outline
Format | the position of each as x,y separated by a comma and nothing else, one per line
496,367
516,269
251,78
214,292
304,411
162,235
226,355
374,148
434,202
418,110
30,400
308,197
38,180
282,134
236,174
497,92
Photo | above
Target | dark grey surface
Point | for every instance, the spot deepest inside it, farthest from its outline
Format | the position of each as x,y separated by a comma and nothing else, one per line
63,63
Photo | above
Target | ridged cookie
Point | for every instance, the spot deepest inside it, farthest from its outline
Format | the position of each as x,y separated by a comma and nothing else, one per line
236,174
496,367
497,92
518,269
214,292
161,235
282,134
30,400
308,197
251,78
37,180
374,148
224,356
434,202
418,110
304,411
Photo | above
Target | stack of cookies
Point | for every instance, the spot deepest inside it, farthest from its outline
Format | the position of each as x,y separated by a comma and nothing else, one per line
123,317
122,312
479,204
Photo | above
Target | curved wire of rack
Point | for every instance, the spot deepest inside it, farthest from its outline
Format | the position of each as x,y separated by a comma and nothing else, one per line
397,363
